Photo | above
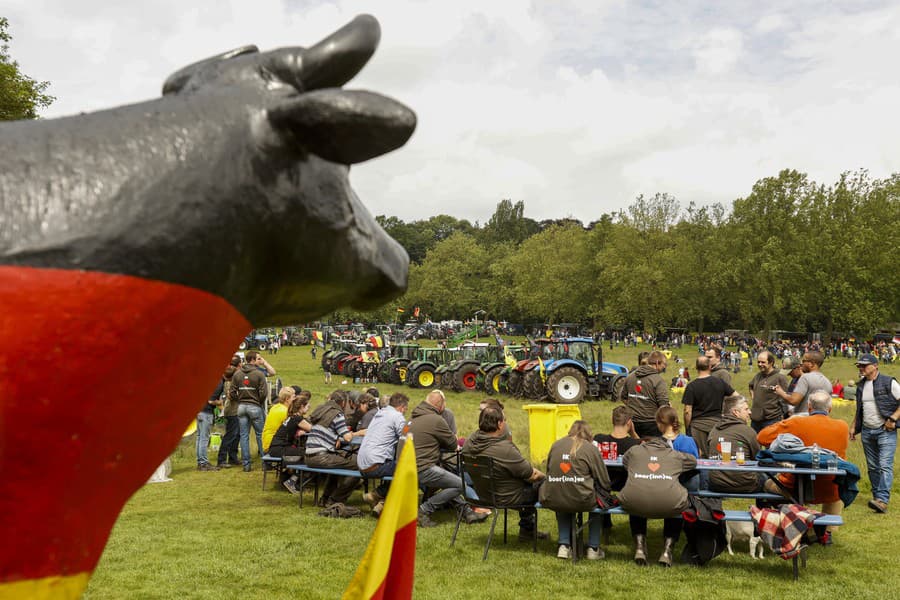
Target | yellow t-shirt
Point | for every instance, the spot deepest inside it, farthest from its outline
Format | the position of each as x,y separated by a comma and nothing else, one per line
277,415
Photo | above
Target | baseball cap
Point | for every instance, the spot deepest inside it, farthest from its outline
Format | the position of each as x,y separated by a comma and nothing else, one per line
866,359
790,363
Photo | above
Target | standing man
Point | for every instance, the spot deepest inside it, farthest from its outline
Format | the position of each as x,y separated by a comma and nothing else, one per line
228,449
877,412
377,456
703,403
716,368
812,380
205,419
434,437
645,392
515,475
767,406
249,390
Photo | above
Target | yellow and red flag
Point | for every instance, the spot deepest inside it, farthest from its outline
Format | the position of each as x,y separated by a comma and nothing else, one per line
387,568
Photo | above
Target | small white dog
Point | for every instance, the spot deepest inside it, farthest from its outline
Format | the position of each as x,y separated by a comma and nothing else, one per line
737,530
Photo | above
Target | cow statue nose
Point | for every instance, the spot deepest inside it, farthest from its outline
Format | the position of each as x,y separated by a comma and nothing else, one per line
393,264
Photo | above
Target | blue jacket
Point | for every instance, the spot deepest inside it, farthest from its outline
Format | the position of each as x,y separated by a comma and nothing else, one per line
884,401
846,484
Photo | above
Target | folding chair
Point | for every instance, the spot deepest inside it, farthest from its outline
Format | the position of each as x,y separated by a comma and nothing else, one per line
480,470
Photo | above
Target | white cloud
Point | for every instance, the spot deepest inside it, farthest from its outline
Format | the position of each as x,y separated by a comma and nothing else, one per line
573,107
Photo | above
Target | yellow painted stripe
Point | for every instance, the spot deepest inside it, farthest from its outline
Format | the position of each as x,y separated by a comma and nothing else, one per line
58,588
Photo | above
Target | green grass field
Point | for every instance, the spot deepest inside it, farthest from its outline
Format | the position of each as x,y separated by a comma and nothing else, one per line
217,535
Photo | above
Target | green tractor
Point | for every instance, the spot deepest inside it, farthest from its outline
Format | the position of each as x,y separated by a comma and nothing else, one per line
393,370
420,372
492,375
461,375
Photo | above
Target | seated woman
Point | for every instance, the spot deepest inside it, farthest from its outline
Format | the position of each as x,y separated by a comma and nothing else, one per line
653,489
289,441
574,469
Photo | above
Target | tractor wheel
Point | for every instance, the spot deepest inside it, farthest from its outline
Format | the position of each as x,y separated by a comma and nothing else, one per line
398,373
352,368
492,380
443,379
464,378
514,383
533,387
616,386
567,385
335,365
262,346
242,345
384,372
423,377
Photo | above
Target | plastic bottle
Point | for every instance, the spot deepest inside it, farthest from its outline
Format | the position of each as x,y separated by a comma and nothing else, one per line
739,455
816,455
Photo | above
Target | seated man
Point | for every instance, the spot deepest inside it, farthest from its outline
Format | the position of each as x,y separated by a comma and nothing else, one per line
515,475
815,428
326,447
624,437
277,415
434,437
378,451
733,428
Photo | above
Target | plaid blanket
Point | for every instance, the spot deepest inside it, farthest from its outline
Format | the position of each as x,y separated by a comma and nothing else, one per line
783,529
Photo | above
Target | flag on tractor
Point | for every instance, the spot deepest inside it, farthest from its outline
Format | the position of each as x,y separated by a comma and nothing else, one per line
387,567
401,310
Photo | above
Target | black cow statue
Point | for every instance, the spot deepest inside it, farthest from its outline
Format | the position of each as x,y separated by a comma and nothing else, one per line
223,205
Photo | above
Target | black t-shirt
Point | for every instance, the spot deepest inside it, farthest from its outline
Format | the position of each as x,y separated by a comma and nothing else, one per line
705,395
617,475
286,433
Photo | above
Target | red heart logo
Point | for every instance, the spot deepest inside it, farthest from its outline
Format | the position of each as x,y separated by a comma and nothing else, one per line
653,467
566,467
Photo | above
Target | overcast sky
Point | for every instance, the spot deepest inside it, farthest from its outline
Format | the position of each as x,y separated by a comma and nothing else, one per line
574,107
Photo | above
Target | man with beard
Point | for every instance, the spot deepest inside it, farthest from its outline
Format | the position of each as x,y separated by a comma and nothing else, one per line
767,406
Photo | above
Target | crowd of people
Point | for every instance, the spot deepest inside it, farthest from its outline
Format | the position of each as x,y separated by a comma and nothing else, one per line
362,431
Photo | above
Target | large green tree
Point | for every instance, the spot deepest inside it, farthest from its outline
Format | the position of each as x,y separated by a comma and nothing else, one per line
20,96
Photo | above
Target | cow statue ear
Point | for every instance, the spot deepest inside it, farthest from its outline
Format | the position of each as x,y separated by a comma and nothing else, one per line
343,126
178,80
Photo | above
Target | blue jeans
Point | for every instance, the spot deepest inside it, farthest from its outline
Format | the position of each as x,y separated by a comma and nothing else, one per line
386,469
564,523
204,428
879,446
250,414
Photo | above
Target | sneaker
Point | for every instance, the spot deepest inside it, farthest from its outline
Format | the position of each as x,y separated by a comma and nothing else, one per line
207,467
291,486
376,510
224,465
526,535
247,468
372,498
424,520
474,517
595,554
878,506
564,552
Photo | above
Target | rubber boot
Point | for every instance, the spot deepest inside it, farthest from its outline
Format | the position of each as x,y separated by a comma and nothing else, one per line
665,559
640,550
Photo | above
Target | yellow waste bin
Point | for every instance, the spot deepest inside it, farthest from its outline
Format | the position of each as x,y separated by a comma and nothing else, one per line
546,424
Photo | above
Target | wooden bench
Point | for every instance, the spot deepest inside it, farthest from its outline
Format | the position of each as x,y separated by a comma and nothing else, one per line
309,475
740,516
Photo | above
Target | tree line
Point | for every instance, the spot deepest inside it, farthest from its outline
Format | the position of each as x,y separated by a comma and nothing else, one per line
793,254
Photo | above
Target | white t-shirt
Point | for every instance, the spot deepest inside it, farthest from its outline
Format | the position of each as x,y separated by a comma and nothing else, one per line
872,419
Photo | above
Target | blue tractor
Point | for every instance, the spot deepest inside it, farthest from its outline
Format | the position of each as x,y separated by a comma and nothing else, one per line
577,371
